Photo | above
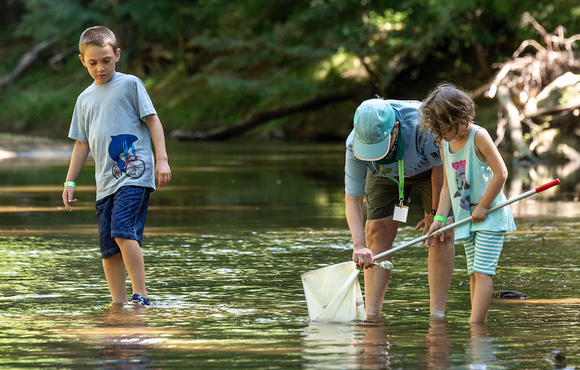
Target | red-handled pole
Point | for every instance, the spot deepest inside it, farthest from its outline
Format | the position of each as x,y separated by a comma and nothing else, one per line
527,194
548,185
468,219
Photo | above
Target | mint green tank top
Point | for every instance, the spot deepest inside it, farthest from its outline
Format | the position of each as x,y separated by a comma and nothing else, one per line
468,178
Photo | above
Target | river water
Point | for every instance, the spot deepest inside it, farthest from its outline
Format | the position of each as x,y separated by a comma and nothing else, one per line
224,248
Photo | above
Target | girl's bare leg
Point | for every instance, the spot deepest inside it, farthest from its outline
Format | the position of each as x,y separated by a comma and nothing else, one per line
481,298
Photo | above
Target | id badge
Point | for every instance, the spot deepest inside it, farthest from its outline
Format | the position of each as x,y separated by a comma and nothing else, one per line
400,213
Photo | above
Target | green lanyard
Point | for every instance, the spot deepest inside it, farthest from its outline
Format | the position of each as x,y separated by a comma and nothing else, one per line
390,158
401,180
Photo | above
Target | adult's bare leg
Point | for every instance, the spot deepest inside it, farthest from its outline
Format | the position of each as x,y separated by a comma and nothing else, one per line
440,269
115,273
380,235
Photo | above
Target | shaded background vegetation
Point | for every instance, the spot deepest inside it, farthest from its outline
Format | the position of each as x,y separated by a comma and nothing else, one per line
209,63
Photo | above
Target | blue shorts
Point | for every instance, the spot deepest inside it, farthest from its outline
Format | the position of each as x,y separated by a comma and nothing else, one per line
121,215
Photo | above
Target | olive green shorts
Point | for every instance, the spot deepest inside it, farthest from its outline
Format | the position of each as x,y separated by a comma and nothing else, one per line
382,194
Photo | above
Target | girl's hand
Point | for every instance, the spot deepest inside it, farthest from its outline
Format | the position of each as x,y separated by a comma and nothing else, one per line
436,225
479,214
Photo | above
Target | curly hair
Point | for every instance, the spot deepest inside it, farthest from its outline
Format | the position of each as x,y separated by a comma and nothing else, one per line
97,35
447,107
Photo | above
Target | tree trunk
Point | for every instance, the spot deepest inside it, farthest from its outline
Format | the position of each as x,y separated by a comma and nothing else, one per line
514,127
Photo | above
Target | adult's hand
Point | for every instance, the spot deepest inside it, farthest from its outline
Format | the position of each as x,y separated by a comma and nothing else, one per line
425,223
363,257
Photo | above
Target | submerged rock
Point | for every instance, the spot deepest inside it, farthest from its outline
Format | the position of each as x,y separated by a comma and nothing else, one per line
557,358
508,294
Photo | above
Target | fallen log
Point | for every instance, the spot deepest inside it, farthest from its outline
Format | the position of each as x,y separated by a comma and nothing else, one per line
538,109
27,59
253,120
552,110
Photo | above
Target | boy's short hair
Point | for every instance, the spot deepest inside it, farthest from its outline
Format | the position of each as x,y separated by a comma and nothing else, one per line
446,107
99,36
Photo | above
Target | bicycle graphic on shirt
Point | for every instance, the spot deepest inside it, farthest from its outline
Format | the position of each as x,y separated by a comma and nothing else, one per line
123,152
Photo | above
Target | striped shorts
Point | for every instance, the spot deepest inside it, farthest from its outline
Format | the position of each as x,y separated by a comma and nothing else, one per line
482,250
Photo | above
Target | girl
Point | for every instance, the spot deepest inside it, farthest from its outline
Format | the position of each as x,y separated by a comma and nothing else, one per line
474,177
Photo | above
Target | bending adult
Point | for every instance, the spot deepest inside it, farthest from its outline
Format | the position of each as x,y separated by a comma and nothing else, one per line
388,154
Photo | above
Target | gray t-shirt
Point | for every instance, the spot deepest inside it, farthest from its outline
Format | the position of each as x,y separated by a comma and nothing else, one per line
111,118
421,154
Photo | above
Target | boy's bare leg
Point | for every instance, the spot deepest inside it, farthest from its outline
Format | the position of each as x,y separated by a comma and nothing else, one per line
482,295
133,258
471,287
440,271
380,235
115,274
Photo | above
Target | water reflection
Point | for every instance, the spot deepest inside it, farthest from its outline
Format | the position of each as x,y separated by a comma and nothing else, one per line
438,342
363,345
122,338
481,351
375,345
330,345
368,345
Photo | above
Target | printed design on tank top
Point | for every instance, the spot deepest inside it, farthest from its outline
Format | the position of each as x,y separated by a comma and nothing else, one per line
463,188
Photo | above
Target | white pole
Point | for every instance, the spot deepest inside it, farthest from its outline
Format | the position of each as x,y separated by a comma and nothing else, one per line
465,220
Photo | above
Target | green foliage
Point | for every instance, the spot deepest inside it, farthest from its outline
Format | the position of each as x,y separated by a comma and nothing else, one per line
43,107
211,62
45,19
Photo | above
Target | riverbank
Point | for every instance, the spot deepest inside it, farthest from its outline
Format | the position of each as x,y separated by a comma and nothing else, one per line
26,145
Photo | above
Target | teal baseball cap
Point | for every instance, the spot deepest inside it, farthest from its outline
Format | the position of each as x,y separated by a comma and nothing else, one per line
374,120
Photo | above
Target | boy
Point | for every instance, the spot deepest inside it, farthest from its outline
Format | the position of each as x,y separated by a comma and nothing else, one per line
114,119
